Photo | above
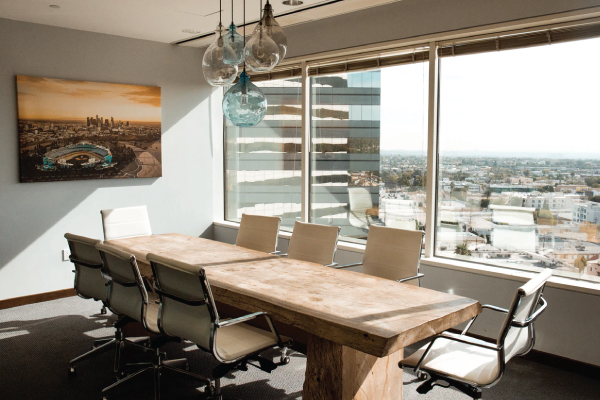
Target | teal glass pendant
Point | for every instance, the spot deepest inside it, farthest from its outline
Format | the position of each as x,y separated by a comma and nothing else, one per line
234,47
244,104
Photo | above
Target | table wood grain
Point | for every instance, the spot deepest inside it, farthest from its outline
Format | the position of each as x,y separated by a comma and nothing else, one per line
369,314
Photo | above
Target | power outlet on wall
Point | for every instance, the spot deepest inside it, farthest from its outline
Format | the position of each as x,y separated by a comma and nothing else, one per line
65,254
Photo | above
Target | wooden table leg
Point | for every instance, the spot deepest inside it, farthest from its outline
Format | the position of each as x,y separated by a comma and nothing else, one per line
337,372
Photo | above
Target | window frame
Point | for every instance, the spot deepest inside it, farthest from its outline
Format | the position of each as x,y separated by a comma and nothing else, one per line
434,43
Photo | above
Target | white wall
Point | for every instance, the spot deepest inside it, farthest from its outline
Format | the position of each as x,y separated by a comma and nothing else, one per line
571,322
35,216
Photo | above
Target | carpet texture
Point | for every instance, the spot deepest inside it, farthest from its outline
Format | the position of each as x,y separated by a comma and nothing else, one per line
37,341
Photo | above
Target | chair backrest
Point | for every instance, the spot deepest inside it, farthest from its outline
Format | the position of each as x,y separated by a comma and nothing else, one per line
360,201
89,282
127,294
314,243
258,232
125,222
393,253
187,307
518,340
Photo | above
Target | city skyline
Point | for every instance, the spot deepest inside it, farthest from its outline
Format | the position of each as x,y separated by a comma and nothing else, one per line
61,100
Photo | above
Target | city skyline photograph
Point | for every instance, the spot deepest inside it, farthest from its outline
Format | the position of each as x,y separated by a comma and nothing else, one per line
74,130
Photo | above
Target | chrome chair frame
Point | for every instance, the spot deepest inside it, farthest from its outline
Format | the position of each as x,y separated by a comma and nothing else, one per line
410,278
158,362
226,365
465,386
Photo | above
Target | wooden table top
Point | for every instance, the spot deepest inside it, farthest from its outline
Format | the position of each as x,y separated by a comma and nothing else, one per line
373,315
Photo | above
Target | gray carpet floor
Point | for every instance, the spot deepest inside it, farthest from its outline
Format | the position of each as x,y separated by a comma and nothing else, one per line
37,341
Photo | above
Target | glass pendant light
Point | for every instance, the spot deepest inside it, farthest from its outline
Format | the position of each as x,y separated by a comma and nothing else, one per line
234,44
216,71
274,30
244,104
261,52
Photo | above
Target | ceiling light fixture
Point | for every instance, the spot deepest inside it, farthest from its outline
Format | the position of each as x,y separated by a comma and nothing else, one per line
54,6
234,44
190,31
293,2
261,52
215,70
274,30
244,104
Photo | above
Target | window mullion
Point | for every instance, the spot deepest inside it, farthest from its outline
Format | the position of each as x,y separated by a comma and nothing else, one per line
432,150
305,174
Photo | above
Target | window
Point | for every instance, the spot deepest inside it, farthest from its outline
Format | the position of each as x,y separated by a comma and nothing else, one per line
512,171
263,163
518,175
369,149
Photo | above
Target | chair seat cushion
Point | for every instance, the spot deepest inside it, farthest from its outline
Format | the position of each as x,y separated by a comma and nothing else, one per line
241,339
459,360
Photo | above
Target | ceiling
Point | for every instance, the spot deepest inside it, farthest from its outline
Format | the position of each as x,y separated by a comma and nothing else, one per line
165,20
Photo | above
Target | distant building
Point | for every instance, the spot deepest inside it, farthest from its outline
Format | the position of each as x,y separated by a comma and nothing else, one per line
586,211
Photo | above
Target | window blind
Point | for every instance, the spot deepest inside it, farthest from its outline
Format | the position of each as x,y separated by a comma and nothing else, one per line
509,41
284,72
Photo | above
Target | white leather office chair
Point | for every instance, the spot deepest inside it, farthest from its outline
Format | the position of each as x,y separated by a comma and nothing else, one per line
89,284
125,222
470,364
313,243
127,297
392,253
188,311
360,201
258,232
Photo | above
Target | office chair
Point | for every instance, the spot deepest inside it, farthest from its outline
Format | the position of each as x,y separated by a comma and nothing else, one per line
188,310
470,364
392,253
313,243
125,222
259,233
127,297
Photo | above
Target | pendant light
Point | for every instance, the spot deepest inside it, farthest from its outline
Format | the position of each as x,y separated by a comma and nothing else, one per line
234,44
216,71
274,30
261,52
244,104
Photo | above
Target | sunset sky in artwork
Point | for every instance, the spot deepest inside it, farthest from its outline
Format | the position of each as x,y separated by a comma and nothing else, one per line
57,99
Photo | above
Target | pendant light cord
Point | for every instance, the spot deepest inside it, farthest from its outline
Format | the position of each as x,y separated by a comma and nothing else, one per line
220,12
244,33
232,13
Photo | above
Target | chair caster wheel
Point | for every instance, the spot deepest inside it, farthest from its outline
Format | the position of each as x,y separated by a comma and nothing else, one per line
284,360
187,366
423,376
72,371
103,311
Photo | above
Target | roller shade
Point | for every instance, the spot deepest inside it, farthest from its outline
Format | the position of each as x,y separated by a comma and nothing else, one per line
520,40
278,73
369,63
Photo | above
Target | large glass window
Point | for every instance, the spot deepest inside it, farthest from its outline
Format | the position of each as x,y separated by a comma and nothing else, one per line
369,149
519,173
263,163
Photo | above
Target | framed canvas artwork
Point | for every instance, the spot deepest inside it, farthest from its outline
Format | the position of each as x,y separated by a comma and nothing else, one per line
74,130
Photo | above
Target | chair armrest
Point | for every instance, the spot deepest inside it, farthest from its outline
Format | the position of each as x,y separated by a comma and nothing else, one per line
494,308
537,313
469,340
239,320
347,265
410,278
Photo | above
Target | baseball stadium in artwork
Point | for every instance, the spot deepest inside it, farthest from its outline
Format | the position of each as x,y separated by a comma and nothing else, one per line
73,130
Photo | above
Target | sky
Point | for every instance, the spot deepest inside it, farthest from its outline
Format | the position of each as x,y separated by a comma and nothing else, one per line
539,100
56,99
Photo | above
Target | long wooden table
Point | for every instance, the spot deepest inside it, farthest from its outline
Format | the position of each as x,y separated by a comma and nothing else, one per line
358,324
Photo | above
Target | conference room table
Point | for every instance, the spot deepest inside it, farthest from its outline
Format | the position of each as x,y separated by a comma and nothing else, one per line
357,325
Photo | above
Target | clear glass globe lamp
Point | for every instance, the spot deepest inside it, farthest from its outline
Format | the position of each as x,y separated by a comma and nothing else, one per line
216,71
244,104
274,30
234,47
261,52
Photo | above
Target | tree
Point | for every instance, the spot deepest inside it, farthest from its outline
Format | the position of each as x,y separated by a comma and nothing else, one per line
484,203
546,189
526,172
595,199
461,249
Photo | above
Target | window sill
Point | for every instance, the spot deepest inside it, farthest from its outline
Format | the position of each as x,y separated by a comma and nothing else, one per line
471,267
557,282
